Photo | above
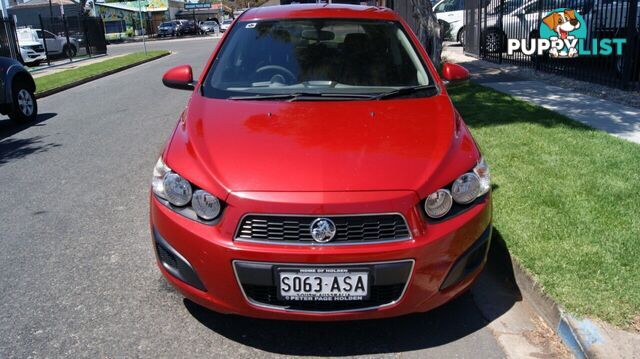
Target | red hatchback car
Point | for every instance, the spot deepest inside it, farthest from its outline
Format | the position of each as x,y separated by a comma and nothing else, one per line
320,172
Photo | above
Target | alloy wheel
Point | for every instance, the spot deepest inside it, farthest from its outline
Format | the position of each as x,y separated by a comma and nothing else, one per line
25,102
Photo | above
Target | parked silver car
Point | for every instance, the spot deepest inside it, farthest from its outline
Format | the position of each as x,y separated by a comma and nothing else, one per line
209,26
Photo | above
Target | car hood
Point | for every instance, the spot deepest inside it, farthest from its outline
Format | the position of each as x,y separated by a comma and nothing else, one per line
28,43
314,146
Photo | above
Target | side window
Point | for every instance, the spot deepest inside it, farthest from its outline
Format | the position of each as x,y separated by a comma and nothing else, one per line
49,35
39,33
447,5
460,5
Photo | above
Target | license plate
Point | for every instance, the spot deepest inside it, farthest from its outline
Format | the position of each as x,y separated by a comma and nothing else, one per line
323,284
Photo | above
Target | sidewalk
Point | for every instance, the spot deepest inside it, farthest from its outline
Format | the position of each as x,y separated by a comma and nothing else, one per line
617,119
66,65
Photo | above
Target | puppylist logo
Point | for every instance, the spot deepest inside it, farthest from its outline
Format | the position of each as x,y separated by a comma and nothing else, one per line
563,33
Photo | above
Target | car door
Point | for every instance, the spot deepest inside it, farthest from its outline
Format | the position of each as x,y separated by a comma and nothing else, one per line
450,13
53,45
518,23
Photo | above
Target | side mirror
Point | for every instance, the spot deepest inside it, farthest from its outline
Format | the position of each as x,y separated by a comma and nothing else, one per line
454,73
179,77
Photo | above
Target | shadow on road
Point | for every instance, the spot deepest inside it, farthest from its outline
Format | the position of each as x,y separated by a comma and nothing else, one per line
9,128
448,323
495,291
13,149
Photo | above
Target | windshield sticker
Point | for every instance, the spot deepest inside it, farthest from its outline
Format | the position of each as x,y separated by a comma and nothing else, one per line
250,25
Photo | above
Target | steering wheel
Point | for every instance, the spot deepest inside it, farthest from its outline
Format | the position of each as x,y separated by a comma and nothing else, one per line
279,70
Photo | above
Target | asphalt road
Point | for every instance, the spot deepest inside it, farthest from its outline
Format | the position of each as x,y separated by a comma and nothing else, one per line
79,277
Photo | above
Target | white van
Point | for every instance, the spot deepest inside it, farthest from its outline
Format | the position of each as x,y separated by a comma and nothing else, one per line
31,50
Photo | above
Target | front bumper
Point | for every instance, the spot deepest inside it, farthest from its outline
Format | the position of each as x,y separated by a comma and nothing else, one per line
444,259
32,56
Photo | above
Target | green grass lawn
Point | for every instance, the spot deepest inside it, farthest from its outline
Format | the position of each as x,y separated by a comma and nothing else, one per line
566,201
65,77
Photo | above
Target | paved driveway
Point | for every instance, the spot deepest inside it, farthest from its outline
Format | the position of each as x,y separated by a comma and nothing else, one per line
78,271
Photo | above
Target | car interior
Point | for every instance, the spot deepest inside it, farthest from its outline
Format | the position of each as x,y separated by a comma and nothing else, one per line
273,54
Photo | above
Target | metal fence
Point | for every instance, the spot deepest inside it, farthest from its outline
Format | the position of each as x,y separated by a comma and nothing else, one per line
65,37
8,39
495,22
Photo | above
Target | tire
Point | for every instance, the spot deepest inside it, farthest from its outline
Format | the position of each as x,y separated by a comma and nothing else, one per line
460,36
493,41
69,51
24,108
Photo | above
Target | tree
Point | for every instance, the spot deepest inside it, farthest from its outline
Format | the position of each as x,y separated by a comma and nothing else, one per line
428,30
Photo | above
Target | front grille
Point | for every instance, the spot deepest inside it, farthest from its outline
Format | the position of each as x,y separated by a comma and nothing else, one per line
349,229
380,295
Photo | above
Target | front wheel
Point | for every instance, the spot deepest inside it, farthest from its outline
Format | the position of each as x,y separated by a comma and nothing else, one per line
461,36
24,107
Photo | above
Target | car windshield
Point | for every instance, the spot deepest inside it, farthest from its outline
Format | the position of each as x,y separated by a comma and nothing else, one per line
227,22
315,56
209,23
166,24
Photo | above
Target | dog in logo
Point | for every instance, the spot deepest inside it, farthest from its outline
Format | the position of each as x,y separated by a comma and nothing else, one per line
562,22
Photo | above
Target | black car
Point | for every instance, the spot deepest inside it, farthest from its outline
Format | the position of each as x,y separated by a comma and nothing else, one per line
17,97
189,27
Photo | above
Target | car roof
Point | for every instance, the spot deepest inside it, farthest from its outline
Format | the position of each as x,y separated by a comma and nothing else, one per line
318,11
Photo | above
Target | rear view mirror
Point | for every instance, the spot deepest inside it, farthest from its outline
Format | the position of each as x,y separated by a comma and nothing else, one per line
179,77
454,73
318,35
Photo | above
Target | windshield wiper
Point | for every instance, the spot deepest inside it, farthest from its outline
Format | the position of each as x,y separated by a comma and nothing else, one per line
285,96
403,91
296,96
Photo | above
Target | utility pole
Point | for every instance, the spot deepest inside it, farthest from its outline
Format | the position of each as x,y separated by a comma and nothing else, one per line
144,41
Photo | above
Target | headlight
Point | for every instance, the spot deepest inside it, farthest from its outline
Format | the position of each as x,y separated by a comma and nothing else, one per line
472,185
206,205
157,183
438,203
173,188
177,189
464,190
482,170
169,185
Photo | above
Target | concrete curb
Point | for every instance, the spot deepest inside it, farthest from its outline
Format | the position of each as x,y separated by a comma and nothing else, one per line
585,338
95,77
